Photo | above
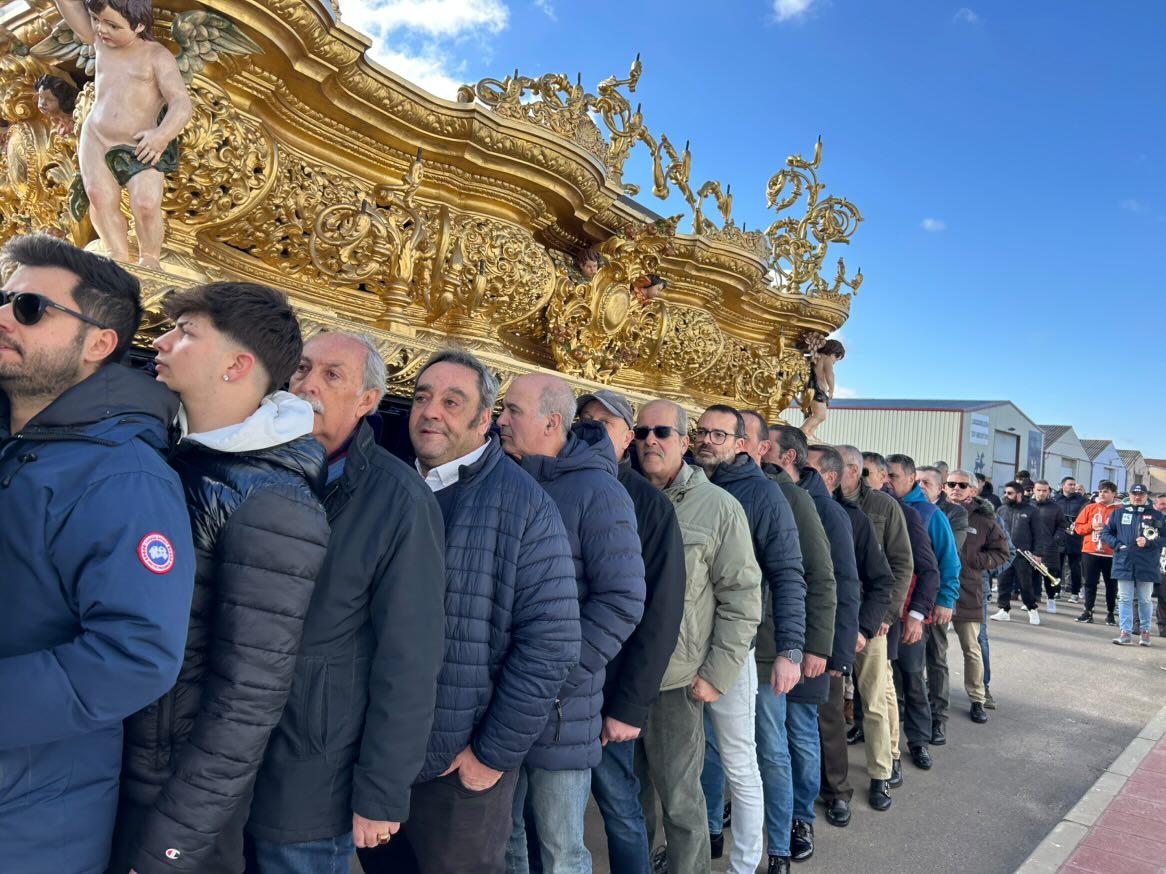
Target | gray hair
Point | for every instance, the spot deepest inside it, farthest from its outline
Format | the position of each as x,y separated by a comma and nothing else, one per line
557,396
487,381
375,372
850,454
679,411
971,476
877,460
830,460
927,468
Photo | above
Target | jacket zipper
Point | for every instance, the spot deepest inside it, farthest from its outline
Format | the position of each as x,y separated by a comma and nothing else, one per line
558,718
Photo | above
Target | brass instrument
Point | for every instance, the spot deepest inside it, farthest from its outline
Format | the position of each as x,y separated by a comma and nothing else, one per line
1150,532
1040,567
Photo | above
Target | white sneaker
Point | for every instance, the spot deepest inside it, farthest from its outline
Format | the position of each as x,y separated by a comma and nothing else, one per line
1051,607
1001,616
1034,617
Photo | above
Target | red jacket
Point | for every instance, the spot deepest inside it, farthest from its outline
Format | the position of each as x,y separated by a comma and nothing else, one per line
1084,527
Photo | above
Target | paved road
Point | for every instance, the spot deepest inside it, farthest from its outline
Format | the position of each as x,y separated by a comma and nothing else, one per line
1069,702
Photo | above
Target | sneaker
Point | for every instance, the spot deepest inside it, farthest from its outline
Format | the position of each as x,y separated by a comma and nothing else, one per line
1034,617
1001,615
989,701
1051,607
1109,620
778,865
1074,599
1085,616
660,860
1145,641
1123,639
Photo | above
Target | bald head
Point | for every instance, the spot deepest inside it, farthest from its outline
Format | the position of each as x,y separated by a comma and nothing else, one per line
537,412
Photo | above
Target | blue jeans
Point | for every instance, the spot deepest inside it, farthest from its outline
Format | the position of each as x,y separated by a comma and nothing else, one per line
556,801
773,755
712,778
617,792
1125,605
983,638
805,752
328,856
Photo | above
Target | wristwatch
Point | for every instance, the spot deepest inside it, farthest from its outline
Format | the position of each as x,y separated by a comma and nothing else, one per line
794,655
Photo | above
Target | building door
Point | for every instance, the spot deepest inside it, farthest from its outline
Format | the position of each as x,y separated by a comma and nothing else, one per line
1068,468
1005,457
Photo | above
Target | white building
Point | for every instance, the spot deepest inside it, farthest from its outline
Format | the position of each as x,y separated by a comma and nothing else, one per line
1065,456
1106,463
1137,470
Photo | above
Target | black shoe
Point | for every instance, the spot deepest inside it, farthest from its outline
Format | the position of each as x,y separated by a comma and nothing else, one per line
880,794
938,738
978,713
727,816
838,813
921,757
1085,616
855,735
801,841
1162,632
716,845
778,865
660,860
1109,620
896,774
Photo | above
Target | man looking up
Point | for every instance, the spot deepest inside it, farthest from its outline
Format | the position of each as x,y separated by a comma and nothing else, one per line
98,559
372,637
721,615
578,471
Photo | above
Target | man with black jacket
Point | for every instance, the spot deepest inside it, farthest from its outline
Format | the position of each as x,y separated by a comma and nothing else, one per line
1071,504
877,584
253,476
1016,518
1049,536
633,676
341,763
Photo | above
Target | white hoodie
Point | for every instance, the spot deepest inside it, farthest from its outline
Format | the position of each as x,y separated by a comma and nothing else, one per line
281,418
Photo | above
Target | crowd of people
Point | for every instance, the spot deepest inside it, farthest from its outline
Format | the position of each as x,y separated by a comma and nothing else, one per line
242,636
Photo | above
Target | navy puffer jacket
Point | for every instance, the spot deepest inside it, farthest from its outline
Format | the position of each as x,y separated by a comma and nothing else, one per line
609,570
1126,525
511,617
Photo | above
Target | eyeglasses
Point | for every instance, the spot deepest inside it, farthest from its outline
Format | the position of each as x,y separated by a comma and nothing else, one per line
714,435
28,307
865,472
952,485
662,432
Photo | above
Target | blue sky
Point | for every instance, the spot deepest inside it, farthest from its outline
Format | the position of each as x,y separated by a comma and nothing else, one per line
1007,157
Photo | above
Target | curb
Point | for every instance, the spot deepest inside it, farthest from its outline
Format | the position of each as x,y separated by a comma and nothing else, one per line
1060,843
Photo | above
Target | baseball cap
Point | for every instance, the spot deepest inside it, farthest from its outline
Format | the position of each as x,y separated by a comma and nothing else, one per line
1139,489
616,404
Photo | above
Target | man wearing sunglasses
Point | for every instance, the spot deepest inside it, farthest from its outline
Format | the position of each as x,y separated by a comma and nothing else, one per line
721,614
99,565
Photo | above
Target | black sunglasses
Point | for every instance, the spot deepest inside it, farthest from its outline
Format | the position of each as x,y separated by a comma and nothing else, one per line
662,432
952,485
28,307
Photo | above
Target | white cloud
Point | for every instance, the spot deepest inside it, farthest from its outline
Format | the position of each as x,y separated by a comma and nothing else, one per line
1132,205
789,9
933,225
841,391
547,8
967,16
424,40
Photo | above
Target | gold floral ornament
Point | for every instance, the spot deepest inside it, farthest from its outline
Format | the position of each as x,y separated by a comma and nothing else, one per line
799,246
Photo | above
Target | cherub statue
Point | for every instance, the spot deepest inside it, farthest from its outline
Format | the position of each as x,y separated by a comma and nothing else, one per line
821,387
649,287
56,98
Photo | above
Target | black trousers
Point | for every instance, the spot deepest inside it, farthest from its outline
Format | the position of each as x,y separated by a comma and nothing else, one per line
832,731
451,830
1096,567
1162,606
911,689
1073,560
1018,575
1052,561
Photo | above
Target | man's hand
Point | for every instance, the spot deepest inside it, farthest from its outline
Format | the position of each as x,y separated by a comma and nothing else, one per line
912,630
785,675
836,673
1141,541
474,775
859,644
884,629
813,666
151,145
372,832
941,615
616,732
703,690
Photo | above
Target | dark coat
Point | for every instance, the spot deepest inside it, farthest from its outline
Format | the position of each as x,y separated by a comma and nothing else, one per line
511,617
634,675
191,757
1017,520
353,735
1049,533
874,571
600,521
985,548
925,587
957,517
1071,507
848,587
775,544
1121,533
96,587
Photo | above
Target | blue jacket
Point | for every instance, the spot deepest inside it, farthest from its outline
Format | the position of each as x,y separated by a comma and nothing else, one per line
511,617
96,588
609,571
1130,561
943,542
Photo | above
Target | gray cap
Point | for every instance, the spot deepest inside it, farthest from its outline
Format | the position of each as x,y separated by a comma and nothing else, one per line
616,404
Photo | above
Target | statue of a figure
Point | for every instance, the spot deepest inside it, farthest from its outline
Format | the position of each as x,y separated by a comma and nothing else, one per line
130,137
56,99
821,387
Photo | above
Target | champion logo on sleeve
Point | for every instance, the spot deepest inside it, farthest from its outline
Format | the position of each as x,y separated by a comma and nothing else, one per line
156,553
173,854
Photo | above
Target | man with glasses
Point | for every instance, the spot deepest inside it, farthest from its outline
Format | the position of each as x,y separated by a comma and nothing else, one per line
1071,502
99,564
721,614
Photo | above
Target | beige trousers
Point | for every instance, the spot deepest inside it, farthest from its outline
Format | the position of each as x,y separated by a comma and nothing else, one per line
892,712
968,633
871,671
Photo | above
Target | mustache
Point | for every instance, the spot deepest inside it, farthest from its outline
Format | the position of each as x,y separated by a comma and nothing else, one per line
314,403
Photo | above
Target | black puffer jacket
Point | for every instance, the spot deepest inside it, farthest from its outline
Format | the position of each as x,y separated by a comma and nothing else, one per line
1049,533
260,535
1017,522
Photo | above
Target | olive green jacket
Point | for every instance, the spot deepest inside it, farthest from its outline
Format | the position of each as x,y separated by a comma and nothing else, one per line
722,595
891,529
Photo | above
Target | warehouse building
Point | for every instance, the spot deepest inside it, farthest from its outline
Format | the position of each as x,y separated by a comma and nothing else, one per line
1105,463
1135,465
1065,456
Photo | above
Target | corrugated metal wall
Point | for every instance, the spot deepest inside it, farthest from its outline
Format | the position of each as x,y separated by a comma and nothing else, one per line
925,435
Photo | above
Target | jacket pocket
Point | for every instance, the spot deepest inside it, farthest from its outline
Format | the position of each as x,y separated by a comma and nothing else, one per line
690,643
306,714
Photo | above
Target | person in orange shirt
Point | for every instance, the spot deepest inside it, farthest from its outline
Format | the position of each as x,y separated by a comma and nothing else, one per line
1096,556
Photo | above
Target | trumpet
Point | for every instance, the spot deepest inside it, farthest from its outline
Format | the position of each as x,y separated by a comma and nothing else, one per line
1040,567
1150,532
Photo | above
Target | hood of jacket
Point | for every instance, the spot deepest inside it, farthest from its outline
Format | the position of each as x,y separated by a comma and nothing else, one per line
916,496
281,418
587,448
740,468
813,483
981,507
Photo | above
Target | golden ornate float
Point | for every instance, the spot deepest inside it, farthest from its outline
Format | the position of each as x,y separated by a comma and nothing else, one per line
501,220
